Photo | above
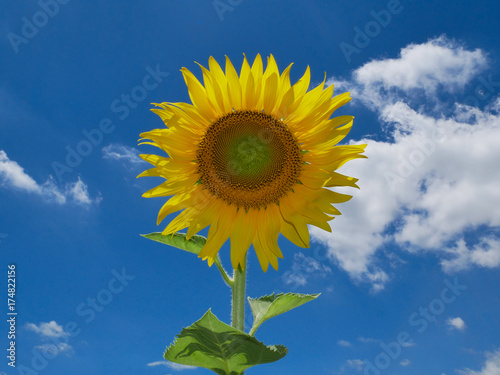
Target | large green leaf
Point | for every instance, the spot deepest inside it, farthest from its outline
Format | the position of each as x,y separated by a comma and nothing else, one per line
193,245
214,345
266,307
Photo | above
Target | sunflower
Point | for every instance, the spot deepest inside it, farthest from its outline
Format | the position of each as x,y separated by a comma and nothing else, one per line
252,157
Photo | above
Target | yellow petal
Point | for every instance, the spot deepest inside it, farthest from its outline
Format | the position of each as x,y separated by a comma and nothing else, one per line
218,233
242,235
181,221
198,95
300,88
214,94
221,80
285,79
233,85
293,225
171,187
249,92
176,203
270,92
206,215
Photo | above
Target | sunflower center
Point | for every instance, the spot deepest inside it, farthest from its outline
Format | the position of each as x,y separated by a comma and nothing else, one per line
249,159
248,155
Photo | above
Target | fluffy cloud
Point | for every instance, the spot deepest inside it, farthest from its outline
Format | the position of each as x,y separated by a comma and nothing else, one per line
438,63
12,175
121,153
456,323
46,330
486,253
491,367
433,180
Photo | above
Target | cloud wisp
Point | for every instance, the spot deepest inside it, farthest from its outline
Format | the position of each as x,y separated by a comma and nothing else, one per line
121,153
171,365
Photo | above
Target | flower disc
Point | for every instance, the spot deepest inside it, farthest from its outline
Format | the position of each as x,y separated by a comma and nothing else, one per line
249,159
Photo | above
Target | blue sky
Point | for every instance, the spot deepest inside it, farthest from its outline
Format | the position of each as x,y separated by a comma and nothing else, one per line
415,256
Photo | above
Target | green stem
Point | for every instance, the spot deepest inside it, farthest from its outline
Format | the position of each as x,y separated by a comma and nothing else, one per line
253,330
225,276
238,308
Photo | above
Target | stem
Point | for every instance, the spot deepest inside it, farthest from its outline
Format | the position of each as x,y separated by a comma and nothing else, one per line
223,272
238,308
253,330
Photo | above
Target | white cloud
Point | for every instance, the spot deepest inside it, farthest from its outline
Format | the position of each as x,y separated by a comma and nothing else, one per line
456,323
79,192
121,153
294,278
172,365
303,268
434,179
408,344
486,253
54,350
50,329
491,366
12,175
356,364
440,62
405,362
367,340
344,343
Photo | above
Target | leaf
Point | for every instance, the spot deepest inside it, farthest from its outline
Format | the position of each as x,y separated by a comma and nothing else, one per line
214,345
178,240
266,307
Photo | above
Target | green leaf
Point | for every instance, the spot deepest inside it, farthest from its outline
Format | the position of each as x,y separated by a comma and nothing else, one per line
214,345
266,307
193,245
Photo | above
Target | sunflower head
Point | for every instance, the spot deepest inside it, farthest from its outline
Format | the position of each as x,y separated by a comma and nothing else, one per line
251,157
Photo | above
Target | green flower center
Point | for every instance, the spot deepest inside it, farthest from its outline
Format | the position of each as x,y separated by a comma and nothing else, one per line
249,159
248,155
